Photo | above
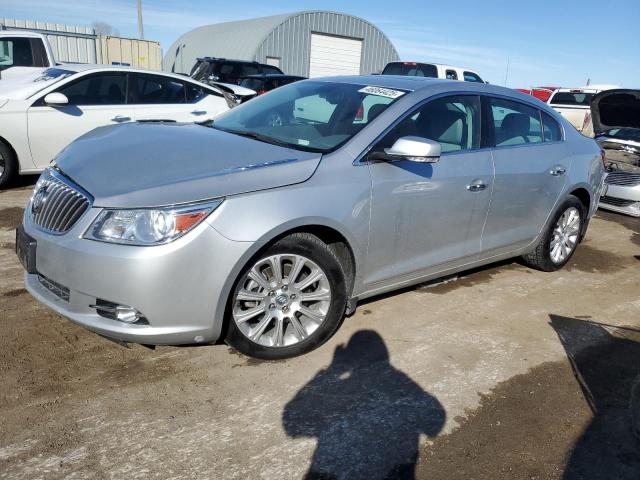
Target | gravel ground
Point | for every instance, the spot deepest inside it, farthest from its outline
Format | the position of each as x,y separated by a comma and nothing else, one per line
502,372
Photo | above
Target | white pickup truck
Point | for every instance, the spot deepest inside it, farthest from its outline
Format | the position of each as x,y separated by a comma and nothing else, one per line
23,53
433,70
574,104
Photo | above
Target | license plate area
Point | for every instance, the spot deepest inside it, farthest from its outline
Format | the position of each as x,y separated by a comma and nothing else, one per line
26,250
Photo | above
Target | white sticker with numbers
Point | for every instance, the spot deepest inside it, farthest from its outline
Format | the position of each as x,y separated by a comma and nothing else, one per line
382,92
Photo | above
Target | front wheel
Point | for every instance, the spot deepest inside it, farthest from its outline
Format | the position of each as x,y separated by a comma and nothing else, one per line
558,243
287,302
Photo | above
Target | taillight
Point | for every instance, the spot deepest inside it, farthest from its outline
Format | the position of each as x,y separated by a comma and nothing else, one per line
360,113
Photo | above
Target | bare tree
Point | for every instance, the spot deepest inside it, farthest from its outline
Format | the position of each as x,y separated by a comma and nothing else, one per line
103,28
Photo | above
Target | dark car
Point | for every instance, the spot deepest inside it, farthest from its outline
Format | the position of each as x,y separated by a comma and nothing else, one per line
211,69
267,82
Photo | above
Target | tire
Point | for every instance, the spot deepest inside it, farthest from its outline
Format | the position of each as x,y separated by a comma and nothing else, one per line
542,257
8,165
272,314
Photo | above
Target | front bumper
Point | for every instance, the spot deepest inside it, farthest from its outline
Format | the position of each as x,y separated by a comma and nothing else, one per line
181,288
621,199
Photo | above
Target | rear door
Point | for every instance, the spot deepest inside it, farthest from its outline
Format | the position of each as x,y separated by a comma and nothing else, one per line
95,100
162,98
529,173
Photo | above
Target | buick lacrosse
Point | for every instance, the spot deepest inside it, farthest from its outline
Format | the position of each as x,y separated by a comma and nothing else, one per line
268,226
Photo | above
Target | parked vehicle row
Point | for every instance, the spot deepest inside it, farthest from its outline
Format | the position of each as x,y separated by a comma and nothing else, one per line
266,226
42,114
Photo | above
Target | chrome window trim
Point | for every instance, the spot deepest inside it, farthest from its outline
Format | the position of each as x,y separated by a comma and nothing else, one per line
360,160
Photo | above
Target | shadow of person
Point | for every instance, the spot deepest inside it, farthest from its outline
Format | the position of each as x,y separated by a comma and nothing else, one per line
366,415
606,363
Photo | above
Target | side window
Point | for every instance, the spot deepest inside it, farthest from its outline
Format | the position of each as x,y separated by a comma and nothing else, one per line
515,123
268,69
155,89
195,93
451,75
15,52
97,89
453,121
249,69
551,128
472,77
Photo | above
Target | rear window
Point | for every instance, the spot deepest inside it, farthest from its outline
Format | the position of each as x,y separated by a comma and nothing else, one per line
581,99
411,69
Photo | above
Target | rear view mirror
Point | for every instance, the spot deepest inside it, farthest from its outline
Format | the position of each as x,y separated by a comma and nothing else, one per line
415,149
56,98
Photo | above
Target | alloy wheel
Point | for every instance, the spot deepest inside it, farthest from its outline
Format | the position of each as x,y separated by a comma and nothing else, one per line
565,235
2,165
281,300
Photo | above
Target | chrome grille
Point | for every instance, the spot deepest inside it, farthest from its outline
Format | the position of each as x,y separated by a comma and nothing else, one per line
57,203
618,202
625,179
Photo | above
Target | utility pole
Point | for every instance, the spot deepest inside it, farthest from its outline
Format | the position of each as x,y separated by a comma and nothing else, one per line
506,75
140,27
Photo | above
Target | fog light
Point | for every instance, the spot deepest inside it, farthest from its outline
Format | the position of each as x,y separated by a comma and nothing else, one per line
123,313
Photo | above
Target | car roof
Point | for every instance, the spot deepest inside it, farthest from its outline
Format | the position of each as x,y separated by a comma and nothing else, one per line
83,67
21,33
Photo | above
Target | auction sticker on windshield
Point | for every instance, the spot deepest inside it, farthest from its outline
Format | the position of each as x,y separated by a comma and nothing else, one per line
382,92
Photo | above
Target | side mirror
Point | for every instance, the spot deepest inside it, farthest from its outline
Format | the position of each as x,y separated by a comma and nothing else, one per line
56,98
415,149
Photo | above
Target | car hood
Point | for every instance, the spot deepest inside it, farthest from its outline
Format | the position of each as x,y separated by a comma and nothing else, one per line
154,164
618,108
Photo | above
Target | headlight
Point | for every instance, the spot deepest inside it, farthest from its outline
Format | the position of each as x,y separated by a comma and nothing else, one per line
148,226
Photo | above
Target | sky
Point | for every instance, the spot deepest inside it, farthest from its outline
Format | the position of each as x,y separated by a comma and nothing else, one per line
544,42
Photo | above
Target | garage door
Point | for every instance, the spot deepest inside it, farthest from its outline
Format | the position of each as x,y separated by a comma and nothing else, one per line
334,55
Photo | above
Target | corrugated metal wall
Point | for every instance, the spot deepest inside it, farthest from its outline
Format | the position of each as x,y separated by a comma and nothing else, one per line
291,41
70,43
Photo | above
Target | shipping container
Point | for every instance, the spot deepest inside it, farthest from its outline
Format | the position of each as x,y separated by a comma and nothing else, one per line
129,51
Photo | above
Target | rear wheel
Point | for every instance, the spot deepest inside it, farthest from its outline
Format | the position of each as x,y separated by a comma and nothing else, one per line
558,244
8,165
289,301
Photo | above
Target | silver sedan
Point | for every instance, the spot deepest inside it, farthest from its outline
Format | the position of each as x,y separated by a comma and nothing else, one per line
266,227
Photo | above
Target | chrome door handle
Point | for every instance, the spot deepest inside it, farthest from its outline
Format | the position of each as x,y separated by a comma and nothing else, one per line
199,112
120,118
476,187
557,171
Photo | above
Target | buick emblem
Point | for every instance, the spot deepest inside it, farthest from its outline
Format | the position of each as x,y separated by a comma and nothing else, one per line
39,199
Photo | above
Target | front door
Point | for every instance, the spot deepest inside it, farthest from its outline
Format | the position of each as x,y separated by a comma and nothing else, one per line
530,172
94,100
426,217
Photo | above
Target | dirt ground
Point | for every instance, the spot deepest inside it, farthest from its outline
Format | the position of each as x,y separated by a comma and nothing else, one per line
502,372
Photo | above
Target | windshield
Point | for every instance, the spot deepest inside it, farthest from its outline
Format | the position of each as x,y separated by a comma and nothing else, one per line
308,115
580,99
200,70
